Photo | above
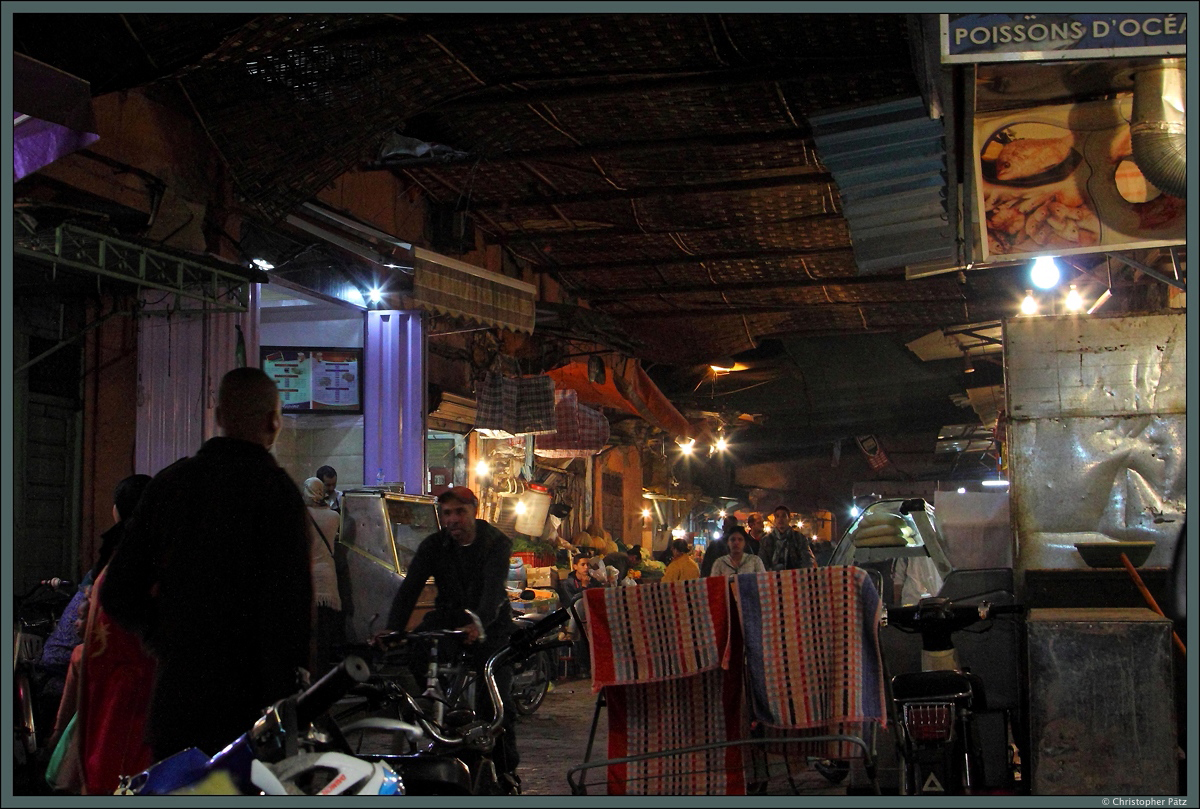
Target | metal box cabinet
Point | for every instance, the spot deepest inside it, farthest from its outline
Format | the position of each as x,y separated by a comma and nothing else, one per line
1101,702
381,530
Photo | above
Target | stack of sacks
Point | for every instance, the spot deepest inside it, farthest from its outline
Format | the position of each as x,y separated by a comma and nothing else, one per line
883,530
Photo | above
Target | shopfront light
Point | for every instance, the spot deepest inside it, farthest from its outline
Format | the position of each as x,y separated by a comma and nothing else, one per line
722,444
1029,305
262,264
482,470
374,296
855,511
645,513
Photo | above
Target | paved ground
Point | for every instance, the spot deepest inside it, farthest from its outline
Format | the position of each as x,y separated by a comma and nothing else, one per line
555,739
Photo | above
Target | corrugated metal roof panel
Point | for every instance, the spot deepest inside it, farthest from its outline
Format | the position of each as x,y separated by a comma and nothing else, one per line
889,163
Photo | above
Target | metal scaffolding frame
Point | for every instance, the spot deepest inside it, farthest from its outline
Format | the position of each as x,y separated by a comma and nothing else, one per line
217,289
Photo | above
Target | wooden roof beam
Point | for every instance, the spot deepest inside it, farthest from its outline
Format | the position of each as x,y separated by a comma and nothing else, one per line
698,258
716,141
615,295
748,184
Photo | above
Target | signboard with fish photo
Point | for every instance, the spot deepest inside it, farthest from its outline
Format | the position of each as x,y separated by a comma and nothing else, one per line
1062,180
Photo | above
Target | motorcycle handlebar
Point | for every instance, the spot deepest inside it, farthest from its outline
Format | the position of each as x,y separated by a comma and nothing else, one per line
321,695
524,639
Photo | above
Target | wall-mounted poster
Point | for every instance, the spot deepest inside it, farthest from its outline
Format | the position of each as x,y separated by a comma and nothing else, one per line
1062,180
316,380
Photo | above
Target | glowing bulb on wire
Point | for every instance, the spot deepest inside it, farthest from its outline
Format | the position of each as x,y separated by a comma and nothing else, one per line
1074,300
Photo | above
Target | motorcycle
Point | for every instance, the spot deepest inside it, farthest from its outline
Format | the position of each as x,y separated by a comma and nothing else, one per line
433,735
268,759
939,709
531,677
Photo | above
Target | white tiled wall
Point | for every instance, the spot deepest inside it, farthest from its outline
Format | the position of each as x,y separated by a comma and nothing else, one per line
308,442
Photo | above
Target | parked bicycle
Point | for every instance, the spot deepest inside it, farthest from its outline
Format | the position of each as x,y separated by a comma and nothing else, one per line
433,735
35,615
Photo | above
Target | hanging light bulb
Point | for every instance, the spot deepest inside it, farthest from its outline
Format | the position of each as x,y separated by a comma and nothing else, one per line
645,513
1045,272
722,444
686,447
482,469
1029,305
1074,300
519,507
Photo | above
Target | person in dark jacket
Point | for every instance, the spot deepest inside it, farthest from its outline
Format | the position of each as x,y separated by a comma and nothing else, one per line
468,559
718,547
213,574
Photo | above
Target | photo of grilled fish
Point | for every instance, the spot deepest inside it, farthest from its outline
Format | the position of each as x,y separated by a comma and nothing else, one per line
1028,157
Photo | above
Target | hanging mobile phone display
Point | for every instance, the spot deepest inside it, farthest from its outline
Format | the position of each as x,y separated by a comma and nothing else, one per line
316,380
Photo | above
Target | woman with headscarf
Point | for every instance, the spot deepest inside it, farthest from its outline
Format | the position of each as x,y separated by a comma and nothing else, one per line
323,525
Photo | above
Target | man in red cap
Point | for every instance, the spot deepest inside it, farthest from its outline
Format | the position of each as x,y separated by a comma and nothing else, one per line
468,559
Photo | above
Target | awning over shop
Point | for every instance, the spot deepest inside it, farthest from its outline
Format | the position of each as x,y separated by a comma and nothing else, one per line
625,387
448,286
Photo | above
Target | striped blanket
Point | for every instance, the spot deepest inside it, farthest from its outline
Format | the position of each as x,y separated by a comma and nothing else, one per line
669,659
813,661
656,632
671,715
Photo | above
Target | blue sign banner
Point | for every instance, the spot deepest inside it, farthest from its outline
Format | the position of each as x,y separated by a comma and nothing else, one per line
1018,37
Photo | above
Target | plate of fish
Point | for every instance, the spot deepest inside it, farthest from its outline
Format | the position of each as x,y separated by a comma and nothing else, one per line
1026,162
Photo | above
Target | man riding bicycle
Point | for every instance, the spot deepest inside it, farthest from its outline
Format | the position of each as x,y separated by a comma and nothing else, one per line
468,559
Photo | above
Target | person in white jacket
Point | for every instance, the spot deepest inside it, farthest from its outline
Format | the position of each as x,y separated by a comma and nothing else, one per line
737,560
323,526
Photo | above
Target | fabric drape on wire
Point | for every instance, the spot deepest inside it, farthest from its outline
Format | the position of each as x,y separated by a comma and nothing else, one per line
512,406
582,431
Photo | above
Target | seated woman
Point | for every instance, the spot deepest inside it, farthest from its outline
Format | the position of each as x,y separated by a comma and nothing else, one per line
737,561
682,567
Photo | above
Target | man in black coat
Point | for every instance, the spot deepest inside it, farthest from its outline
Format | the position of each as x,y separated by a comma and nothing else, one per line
218,585
468,559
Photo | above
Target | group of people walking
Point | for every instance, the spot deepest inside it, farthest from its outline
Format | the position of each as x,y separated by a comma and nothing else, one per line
753,549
